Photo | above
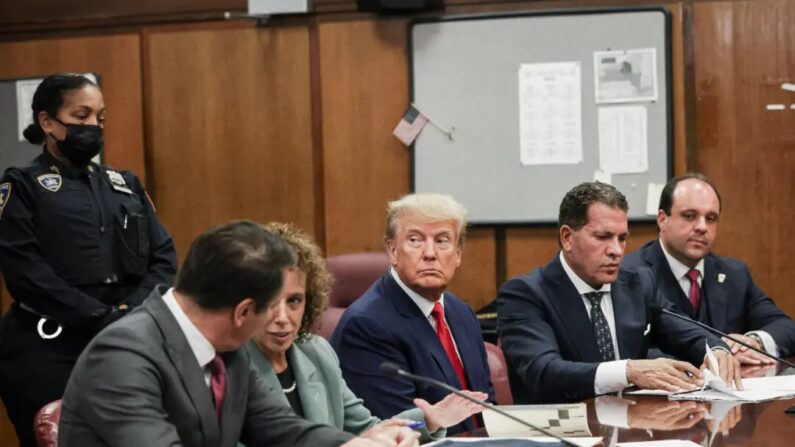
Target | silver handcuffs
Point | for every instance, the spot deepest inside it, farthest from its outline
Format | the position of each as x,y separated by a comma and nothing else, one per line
44,335
42,321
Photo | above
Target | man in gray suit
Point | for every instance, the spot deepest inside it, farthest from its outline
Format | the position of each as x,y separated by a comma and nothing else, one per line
172,373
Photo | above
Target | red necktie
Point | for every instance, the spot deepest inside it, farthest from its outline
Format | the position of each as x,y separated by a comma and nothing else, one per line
443,332
218,382
695,289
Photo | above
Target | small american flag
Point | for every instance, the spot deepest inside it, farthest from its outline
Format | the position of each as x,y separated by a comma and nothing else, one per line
410,125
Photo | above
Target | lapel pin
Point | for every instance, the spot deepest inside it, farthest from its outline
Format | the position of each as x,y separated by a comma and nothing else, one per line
721,278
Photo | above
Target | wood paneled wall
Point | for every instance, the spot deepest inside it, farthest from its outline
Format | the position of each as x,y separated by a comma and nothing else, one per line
744,51
230,132
117,58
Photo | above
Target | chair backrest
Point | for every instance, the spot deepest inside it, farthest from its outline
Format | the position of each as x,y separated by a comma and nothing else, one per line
499,374
353,274
45,424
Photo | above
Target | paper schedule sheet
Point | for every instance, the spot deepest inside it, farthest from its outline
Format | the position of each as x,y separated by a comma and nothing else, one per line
550,115
562,420
623,141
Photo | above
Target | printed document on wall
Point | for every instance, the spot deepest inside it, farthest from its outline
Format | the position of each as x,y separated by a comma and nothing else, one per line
550,117
626,75
623,141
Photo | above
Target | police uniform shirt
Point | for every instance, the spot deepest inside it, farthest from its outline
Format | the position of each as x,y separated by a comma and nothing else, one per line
74,241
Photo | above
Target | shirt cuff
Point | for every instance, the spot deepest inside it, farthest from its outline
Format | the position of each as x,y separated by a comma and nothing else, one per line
610,377
612,411
768,344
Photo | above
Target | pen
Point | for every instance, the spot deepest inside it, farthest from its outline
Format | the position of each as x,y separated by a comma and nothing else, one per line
416,425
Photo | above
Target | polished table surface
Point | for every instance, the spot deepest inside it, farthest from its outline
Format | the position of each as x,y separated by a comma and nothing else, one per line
747,424
656,418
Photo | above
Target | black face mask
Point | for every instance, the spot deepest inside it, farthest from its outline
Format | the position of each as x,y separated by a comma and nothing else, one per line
82,143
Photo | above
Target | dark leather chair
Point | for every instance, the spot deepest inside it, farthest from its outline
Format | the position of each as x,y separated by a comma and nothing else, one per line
499,374
353,274
45,424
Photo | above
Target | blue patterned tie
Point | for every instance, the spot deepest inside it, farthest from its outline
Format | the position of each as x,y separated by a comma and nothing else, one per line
601,331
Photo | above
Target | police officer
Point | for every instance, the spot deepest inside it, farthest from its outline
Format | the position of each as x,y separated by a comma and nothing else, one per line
80,246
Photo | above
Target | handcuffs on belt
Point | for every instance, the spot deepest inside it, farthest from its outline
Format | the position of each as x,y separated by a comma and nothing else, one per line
42,321
44,335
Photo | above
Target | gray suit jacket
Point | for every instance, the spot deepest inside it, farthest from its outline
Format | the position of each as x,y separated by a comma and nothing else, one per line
139,384
325,397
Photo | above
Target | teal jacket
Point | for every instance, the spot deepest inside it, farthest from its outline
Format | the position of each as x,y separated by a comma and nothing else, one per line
324,395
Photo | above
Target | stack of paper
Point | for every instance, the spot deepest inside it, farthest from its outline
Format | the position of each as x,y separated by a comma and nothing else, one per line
758,389
561,420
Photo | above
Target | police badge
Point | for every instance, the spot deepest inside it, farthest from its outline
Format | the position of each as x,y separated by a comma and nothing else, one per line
5,194
50,182
117,182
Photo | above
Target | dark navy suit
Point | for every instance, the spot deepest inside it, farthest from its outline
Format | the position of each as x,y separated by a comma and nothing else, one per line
731,302
385,325
548,341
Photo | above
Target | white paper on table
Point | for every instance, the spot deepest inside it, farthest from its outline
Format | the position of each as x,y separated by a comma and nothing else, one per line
561,420
623,141
625,75
736,396
581,442
653,193
550,113
780,383
661,443
25,88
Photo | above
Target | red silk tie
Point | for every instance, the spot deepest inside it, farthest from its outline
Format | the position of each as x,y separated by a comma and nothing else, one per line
218,382
443,332
695,289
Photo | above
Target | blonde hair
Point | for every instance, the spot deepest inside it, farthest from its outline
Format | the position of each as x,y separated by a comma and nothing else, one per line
431,208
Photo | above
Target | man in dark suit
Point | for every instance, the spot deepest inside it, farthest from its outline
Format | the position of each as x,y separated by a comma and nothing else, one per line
172,373
715,290
408,318
572,329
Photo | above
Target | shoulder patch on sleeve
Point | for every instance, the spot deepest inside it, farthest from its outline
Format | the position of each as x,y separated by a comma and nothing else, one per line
50,182
5,195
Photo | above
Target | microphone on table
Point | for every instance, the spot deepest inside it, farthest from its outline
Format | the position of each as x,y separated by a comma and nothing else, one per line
392,370
657,309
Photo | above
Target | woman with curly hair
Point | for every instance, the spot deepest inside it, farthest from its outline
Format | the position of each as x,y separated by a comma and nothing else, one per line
304,368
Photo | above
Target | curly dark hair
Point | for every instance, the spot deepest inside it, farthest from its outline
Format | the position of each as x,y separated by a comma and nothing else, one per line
312,263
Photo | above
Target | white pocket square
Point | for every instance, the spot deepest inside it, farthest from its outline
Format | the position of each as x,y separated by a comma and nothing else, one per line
648,329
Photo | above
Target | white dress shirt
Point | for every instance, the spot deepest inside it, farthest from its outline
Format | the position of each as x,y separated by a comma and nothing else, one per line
680,273
426,306
610,376
199,345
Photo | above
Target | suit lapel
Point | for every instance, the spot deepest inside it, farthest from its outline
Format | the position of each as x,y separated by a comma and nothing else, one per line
265,371
714,295
628,346
569,306
311,389
419,325
188,369
234,408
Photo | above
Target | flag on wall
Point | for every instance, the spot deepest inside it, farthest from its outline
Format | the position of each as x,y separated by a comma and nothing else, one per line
410,125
